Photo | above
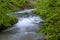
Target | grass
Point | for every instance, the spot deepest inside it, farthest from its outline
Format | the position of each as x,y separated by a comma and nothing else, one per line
49,10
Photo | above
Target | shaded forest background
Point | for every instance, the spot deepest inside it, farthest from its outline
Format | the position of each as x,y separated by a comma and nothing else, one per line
49,10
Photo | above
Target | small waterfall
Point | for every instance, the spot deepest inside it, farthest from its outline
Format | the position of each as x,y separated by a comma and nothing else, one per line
25,28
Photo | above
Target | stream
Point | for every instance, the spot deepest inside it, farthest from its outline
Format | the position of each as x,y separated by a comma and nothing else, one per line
26,27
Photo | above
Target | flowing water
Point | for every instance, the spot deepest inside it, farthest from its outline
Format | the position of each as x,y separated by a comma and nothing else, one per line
25,28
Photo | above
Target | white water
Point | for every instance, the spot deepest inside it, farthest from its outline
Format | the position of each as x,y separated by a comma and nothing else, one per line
24,29
26,11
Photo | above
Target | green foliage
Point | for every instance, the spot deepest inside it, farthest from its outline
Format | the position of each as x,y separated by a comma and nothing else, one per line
7,6
49,10
7,21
